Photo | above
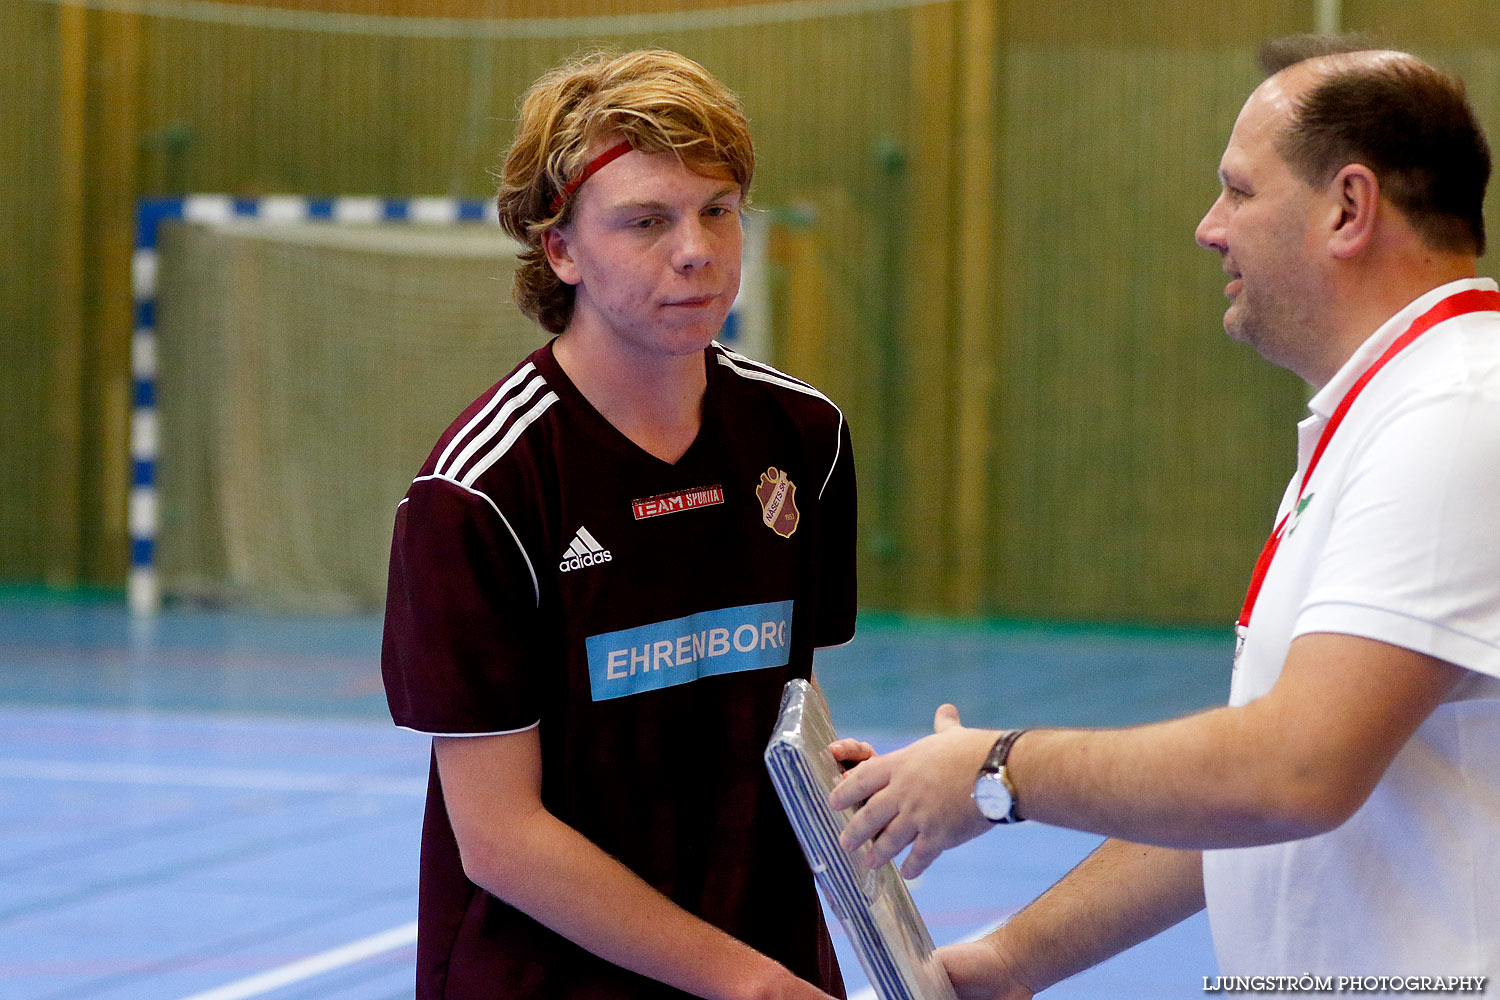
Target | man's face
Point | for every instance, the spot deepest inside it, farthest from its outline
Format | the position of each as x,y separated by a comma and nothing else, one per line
1262,227
653,249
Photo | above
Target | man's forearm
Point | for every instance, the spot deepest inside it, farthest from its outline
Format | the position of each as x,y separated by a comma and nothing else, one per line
1184,783
1293,763
1115,898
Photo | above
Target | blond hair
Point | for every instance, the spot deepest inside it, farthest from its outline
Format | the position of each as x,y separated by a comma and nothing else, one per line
657,101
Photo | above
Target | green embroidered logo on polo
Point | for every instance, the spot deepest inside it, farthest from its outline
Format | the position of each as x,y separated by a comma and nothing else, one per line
1297,514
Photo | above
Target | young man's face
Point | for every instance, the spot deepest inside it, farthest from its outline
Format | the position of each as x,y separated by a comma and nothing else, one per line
653,249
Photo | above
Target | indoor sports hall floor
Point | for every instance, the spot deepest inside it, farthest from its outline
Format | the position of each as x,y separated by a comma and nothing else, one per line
215,806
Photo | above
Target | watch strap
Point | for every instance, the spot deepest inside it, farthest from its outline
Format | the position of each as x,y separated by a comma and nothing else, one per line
1000,751
995,763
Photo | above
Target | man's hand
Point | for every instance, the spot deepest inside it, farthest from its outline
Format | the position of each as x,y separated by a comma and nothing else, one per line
977,972
918,795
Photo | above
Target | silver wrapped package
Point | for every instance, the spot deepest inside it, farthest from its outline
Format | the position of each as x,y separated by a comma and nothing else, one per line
873,906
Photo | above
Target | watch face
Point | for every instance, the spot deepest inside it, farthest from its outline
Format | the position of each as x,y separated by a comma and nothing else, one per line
992,797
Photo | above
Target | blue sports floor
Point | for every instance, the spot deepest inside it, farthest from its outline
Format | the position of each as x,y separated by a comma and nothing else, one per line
215,806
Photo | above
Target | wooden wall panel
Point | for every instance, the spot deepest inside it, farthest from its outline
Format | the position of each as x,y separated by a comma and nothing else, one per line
979,302
40,226
925,495
1048,419
63,462
1421,25
1141,446
114,140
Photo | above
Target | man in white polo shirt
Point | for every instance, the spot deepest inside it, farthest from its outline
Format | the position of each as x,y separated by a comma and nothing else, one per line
1341,816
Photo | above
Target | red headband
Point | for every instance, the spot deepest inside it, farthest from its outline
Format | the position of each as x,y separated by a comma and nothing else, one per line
608,156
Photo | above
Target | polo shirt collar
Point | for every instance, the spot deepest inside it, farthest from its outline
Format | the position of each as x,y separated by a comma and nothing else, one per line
1326,400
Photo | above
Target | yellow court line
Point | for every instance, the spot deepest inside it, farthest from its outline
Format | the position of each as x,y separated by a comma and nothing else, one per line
394,26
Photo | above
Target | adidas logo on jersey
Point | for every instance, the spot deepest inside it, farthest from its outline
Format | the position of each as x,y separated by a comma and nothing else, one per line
584,551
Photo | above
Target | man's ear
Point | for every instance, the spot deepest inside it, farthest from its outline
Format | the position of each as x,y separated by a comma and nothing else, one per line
559,255
1356,193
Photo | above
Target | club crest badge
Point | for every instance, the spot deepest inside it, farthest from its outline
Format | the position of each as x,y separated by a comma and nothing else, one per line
778,502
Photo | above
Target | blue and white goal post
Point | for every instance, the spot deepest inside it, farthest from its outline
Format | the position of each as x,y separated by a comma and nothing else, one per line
746,330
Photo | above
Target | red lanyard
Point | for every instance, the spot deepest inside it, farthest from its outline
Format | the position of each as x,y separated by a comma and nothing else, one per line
1457,304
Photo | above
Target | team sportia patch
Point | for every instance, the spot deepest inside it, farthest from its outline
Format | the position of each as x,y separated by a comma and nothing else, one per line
671,503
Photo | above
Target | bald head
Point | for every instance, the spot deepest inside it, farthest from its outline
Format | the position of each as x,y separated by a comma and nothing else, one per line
1409,122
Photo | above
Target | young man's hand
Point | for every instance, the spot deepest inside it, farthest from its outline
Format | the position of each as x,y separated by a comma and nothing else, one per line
849,751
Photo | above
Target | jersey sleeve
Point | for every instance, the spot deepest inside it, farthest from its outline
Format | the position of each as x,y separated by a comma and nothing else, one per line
838,597
459,654
1413,558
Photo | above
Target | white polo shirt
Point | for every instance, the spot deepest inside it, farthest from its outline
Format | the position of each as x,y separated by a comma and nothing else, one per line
1398,540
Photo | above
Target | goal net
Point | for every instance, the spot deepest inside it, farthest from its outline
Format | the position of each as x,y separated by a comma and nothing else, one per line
303,372
294,361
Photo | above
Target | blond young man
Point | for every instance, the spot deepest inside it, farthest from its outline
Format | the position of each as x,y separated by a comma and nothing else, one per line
605,573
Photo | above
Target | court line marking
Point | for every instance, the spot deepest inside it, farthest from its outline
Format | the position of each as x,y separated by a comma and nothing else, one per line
868,993
378,944
244,779
586,26
314,965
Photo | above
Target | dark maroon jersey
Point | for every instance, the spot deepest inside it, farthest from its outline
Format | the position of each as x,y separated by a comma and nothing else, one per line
547,571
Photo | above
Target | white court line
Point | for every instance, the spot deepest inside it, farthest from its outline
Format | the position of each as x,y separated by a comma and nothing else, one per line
868,993
378,944
315,965
208,777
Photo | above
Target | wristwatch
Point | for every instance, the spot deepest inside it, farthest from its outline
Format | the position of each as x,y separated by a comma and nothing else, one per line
994,793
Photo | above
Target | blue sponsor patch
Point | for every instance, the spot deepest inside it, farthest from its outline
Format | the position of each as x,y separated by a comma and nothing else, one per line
727,641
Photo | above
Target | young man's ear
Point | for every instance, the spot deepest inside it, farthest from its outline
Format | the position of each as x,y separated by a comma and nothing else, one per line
1356,191
559,255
